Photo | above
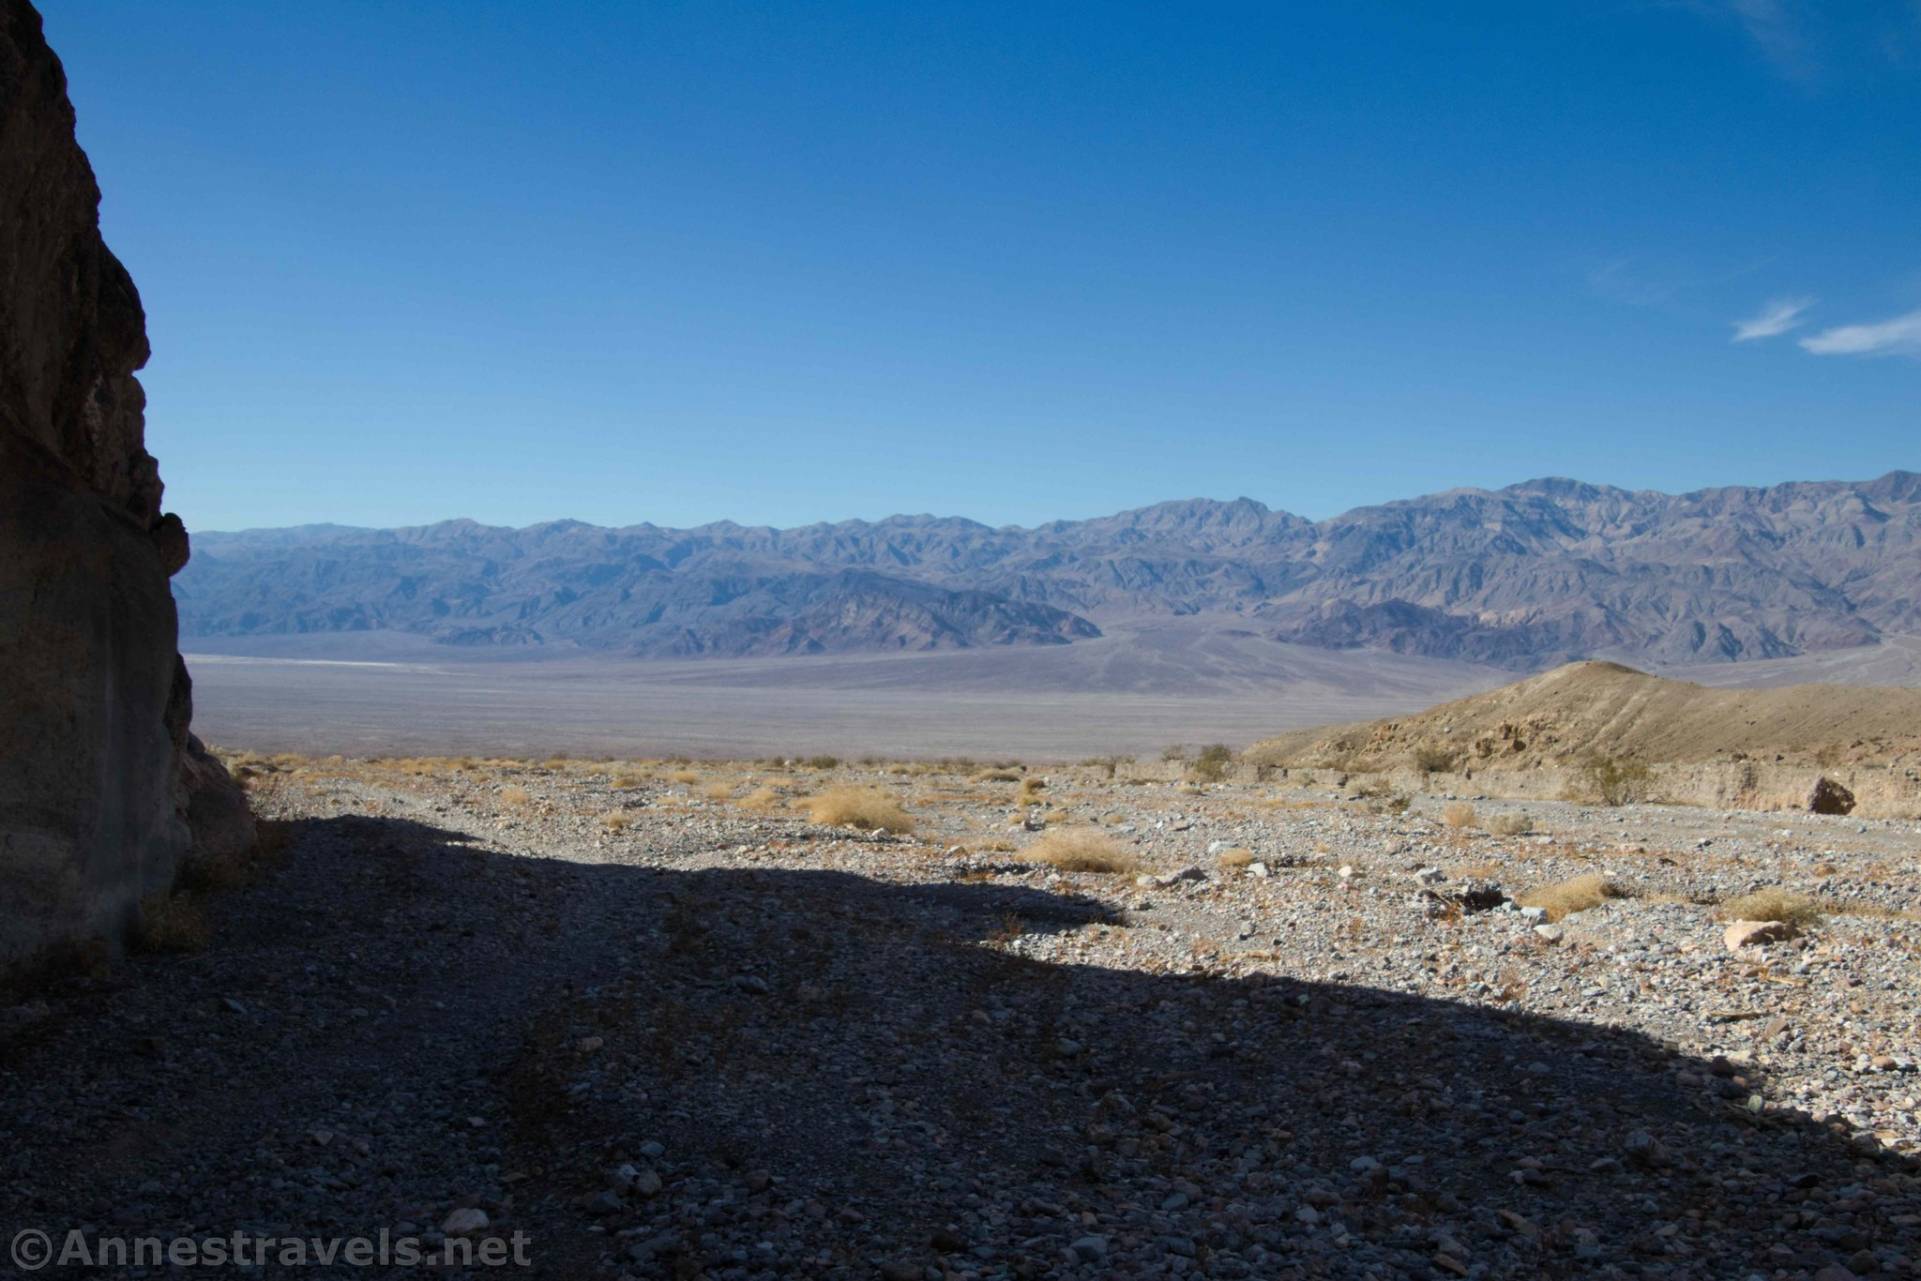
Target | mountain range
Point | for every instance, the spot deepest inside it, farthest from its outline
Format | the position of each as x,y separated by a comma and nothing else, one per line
1524,577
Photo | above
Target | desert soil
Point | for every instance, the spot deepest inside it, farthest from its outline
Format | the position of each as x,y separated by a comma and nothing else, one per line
663,1034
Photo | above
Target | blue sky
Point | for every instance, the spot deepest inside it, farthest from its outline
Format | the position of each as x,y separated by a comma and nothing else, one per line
789,262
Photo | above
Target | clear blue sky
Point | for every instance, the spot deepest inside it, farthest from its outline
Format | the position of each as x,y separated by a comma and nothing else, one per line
788,262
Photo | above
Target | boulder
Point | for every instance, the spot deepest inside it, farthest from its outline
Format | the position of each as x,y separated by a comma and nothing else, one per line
1742,934
1829,797
99,787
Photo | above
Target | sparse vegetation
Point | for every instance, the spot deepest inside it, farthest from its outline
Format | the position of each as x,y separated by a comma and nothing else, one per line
1565,898
1433,760
1212,764
1609,780
1458,814
1510,825
718,791
615,821
1082,849
171,923
1774,904
1030,792
1235,858
515,798
866,808
821,762
684,776
761,800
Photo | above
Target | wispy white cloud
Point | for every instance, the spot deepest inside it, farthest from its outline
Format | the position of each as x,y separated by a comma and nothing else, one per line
1899,336
1778,34
1622,280
1779,316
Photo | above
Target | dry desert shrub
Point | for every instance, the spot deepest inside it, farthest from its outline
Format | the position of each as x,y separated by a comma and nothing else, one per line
866,808
684,776
998,776
626,781
1611,781
1082,849
718,791
761,800
1236,858
1458,815
1565,898
1774,904
615,821
1510,825
1212,764
1433,760
821,762
171,923
516,798
1030,793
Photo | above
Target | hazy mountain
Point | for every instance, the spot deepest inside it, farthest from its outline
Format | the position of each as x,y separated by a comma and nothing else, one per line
1527,576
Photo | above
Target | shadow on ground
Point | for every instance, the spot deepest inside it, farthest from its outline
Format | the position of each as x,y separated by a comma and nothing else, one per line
831,1076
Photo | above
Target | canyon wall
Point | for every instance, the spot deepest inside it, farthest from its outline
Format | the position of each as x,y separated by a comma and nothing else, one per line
104,794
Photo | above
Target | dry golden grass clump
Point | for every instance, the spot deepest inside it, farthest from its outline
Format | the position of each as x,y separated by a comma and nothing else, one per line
626,781
1459,814
718,791
1510,825
171,923
1774,904
867,808
684,776
1082,849
615,821
1030,793
517,798
998,776
1236,858
761,800
1578,895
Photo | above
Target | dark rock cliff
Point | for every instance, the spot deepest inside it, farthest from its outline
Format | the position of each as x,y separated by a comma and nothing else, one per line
103,791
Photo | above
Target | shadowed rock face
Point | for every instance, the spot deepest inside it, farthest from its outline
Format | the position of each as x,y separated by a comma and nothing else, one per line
98,773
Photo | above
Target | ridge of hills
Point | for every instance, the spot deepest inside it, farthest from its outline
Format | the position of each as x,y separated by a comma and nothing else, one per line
1601,708
1523,577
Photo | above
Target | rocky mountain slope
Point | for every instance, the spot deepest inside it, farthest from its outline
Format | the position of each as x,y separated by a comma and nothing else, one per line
1522,577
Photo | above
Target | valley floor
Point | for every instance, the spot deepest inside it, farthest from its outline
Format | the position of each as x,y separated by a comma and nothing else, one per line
1136,689
656,1020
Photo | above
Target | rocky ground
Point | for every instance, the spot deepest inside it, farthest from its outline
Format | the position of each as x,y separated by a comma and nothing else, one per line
663,1025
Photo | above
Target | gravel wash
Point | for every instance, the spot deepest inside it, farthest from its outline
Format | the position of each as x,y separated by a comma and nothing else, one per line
664,1035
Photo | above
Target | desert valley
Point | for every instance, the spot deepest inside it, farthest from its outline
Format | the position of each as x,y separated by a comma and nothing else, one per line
1514,880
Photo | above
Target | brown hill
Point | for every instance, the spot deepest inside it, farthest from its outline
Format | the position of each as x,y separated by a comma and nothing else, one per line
1568,720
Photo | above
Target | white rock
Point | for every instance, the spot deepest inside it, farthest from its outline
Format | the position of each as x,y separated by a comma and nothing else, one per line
1755,934
465,1221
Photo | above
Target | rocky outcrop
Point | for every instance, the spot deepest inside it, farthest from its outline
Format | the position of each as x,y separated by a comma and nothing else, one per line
99,777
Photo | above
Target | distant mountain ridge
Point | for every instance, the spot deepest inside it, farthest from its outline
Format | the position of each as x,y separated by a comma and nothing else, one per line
1525,577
